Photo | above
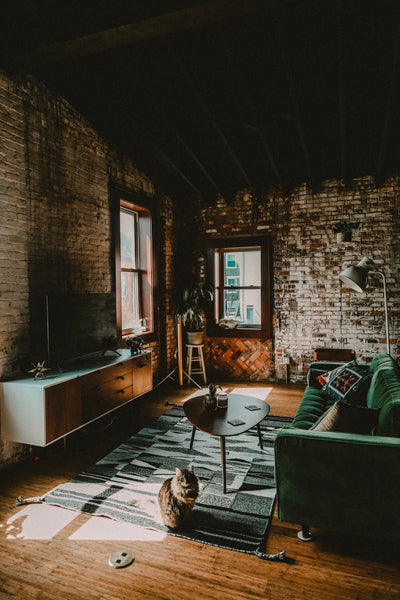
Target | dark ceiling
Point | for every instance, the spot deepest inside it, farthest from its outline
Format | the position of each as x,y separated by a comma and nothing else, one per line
214,96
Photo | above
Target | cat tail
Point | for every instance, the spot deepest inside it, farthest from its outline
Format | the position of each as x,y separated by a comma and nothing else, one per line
20,501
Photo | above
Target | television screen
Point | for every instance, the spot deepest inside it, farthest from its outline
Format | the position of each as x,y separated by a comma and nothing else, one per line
75,325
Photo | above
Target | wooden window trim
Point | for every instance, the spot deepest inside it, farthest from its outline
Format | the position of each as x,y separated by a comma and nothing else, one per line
145,206
264,242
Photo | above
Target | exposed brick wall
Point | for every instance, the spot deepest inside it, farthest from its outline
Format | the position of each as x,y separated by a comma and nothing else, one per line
310,307
56,220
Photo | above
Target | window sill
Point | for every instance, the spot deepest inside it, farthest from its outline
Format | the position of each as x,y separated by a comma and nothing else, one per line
148,337
237,333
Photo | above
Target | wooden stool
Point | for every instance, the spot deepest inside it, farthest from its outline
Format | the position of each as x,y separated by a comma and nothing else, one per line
195,361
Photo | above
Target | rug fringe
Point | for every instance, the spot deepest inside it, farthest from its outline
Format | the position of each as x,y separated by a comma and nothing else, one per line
20,501
280,556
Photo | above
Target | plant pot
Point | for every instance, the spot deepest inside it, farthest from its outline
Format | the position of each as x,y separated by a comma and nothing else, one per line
195,337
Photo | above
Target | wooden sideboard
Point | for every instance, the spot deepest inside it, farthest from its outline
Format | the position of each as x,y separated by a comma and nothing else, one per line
39,412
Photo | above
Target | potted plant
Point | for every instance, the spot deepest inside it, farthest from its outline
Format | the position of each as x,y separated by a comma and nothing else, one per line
194,298
343,230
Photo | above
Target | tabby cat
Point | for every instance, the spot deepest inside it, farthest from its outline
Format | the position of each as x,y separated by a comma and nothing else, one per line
177,496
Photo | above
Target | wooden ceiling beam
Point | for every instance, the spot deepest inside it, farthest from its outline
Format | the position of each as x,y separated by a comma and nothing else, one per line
294,100
210,119
122,66
154,27
246,92
172,166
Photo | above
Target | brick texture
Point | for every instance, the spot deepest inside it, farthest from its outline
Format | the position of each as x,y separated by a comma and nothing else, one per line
56,233
311,309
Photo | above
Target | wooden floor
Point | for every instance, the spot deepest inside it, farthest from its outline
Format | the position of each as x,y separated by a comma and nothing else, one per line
64,560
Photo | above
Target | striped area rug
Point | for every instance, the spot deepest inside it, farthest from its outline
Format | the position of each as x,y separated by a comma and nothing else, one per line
124,485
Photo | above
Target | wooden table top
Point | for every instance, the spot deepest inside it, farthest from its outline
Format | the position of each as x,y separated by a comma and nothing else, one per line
217,422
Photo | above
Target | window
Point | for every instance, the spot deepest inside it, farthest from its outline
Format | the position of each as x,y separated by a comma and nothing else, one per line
134,267
239,269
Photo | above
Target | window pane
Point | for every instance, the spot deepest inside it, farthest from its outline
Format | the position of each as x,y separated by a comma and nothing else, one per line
243,267
243,306
128,239
130,301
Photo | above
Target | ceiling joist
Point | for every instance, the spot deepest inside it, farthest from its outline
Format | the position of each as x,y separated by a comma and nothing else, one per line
126,35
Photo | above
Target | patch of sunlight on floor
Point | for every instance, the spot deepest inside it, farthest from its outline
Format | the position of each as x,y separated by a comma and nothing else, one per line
37,522
44,521
260,392
101,528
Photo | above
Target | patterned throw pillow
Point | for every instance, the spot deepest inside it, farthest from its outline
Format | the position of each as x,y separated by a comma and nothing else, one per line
348,383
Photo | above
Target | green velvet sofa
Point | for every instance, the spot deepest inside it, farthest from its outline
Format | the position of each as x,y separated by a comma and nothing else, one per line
344,482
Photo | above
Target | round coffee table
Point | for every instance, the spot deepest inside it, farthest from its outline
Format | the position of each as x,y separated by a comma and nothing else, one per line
246,411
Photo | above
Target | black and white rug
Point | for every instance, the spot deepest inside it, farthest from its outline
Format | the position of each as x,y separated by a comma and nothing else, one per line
124,485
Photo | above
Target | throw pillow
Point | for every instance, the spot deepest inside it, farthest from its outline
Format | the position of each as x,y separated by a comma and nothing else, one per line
348,383
347,418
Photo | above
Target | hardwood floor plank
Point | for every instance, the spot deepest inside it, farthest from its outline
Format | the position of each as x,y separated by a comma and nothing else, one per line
69,565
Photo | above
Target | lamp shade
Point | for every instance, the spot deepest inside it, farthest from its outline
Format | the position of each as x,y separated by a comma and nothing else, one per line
354,277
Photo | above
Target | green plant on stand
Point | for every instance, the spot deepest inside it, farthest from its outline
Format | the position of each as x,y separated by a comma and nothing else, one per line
194,298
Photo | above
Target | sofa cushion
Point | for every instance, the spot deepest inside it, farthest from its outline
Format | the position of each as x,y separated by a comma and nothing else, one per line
347,418
313,405
348,383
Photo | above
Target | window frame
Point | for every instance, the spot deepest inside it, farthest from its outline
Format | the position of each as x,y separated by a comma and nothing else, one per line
216,248
144,206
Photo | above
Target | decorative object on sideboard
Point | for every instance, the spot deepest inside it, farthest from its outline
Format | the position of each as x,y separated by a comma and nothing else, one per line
39,370
355,277
135,344
343,230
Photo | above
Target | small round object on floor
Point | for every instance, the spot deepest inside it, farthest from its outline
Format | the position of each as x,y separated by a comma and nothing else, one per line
304,536
120,559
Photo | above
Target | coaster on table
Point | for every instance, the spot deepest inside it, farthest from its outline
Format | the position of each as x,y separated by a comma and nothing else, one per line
253,407
236,422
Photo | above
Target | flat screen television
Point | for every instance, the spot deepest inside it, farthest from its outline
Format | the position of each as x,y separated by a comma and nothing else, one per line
75,325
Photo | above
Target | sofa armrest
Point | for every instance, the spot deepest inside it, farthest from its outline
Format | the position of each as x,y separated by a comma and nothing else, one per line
339,481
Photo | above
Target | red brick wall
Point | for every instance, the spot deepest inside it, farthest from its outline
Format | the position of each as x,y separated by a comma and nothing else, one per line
310,307
57,221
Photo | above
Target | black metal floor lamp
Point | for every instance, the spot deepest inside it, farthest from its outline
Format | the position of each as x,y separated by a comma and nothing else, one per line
355,277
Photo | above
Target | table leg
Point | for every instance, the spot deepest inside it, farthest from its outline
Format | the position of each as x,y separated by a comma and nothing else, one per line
192,438
259,437
223,464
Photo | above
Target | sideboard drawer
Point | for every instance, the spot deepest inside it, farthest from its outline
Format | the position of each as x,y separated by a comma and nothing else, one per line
118,372
100,402
106,389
